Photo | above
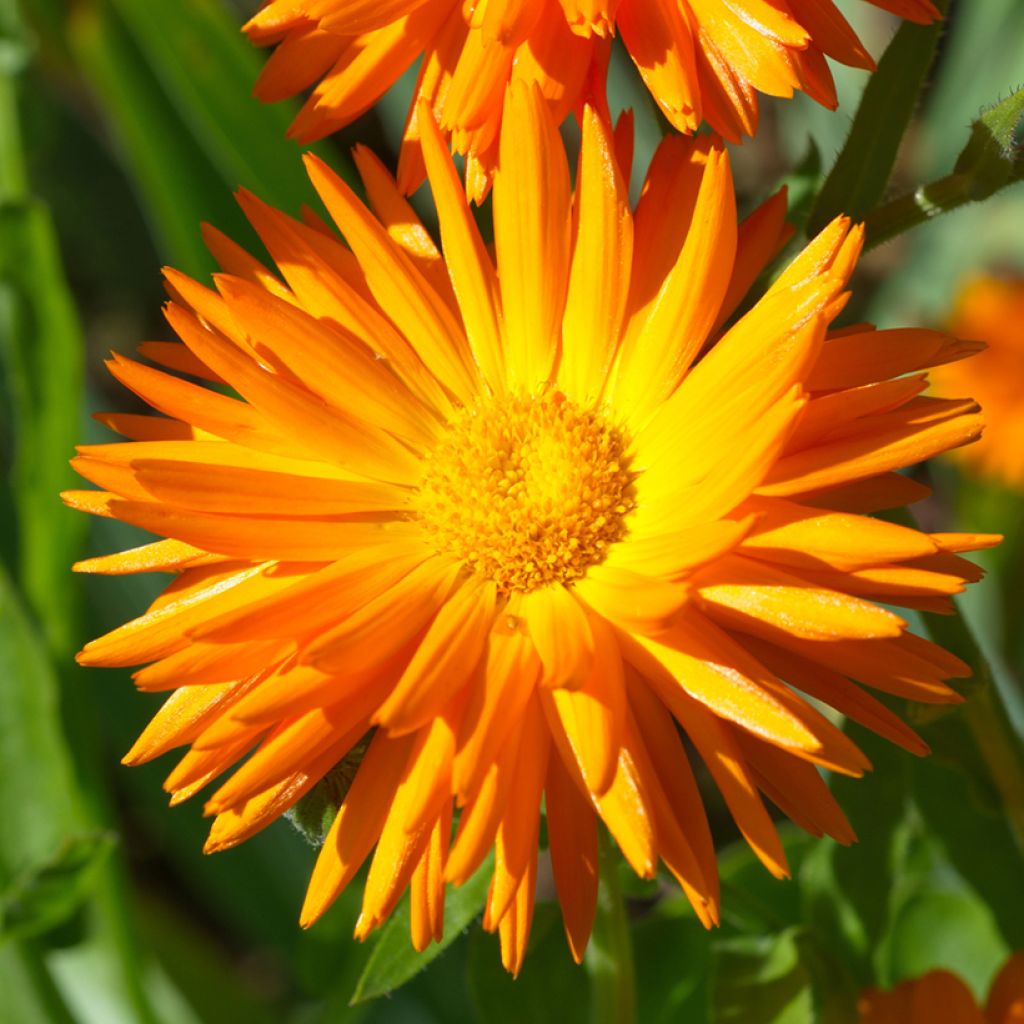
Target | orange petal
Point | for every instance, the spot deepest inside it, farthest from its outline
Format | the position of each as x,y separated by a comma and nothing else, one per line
593,716
496,704
472,273
445,659
358,823
516,847
697,661
572,835
426,905
398,286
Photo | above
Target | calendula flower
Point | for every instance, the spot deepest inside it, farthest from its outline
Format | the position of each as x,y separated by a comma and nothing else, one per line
942,996
991,309
703,60
507,523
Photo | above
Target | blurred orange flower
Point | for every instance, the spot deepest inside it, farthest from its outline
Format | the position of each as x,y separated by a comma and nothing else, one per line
701,59
511,521
991,309
942,996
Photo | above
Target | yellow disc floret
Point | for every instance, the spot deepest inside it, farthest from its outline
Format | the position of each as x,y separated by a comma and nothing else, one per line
527,491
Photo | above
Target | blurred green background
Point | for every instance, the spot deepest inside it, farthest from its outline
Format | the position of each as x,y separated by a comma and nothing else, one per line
123,125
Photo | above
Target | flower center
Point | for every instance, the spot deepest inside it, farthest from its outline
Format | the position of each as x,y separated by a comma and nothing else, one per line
527,491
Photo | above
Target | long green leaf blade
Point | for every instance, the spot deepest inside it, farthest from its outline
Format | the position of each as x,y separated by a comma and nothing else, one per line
861,172
394,961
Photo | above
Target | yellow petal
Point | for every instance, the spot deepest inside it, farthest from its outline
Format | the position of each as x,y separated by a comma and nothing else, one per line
659,348
700,660
630,599
561,633
531,235
669,504
672,556
314,429
601,259
753,596
160,556
812,538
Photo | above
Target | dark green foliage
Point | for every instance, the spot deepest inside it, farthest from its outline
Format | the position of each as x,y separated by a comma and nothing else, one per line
108,906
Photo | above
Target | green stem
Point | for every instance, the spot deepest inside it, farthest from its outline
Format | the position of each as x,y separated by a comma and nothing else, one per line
992,731
988,720
910,211
609,957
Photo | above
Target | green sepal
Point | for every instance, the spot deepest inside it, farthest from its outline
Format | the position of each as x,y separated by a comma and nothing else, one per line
314,814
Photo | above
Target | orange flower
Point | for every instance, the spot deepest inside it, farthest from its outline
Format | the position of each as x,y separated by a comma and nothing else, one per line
701,59
942,996
513,521
991,309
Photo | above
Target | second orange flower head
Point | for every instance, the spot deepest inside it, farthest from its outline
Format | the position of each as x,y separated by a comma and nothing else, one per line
702,60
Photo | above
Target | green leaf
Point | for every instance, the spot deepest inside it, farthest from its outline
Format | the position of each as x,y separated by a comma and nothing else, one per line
550,989
15,44
672,951
974,837
753,900
949,929
39,808
42,355
846,906
174,82
49,892
761,980
394,960
861,172
199,967
207,69
989,159
803,184
41,350
178,185
995,29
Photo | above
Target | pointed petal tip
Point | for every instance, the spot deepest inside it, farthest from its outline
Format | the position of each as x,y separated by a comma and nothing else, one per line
847,837
918,749
310,913
86,656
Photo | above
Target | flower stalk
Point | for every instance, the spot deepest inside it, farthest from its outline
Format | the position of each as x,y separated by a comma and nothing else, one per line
925,203
989,722
609,957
